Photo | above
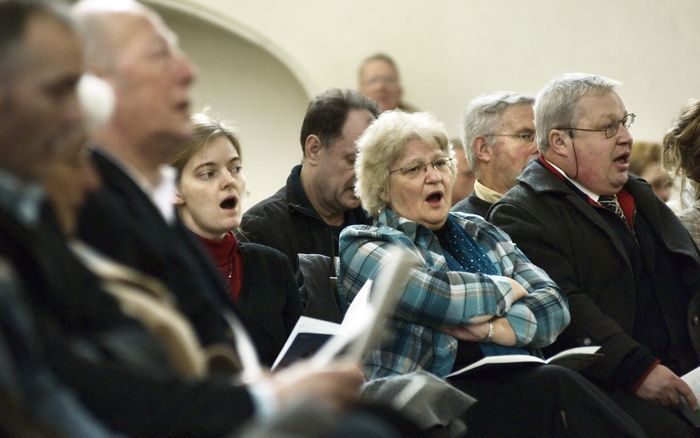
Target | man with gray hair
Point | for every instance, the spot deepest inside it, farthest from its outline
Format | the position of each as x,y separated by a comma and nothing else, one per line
499,140
629,268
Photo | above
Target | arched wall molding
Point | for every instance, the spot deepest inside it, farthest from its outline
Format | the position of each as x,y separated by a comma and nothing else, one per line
231,25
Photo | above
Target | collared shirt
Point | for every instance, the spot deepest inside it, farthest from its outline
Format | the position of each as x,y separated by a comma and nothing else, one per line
485,193
585,191
625,199
21,199
437,297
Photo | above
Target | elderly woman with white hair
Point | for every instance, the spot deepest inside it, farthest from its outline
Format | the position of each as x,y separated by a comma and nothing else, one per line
475,294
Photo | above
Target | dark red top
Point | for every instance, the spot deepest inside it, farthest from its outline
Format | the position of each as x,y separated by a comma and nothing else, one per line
227,258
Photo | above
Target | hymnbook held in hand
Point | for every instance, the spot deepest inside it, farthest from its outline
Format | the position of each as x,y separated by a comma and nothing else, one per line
362,325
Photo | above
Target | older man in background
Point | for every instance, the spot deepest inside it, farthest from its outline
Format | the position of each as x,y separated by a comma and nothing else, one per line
499,140
379,80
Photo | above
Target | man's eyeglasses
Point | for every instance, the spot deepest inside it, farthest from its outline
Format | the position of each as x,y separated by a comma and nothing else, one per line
611,129
523,137
441,164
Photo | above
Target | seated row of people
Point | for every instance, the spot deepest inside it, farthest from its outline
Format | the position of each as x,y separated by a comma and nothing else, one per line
474,294
614,308
376,195
135,318
97,349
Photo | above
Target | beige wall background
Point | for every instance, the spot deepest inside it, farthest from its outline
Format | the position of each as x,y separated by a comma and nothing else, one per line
261,60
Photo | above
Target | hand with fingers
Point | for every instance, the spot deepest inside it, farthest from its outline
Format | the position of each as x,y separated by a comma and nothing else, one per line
664,387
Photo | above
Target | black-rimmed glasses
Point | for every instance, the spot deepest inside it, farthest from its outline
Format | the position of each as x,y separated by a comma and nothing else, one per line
440,164
611,129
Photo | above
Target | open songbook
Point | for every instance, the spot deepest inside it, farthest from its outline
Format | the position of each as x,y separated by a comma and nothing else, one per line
693,380
575,358
362,325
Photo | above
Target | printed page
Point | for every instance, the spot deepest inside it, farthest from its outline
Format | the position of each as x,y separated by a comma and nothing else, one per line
363,327
310,332
574,358
693,380
498,360
574,351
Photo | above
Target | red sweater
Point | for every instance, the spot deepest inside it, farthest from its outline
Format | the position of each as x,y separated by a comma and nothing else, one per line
227,258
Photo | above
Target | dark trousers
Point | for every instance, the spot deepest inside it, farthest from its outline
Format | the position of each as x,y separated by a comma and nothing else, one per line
522,400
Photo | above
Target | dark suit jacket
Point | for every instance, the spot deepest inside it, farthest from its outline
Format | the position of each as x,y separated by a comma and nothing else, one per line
31,397
269,304
473,204
559,231
122,222
110,361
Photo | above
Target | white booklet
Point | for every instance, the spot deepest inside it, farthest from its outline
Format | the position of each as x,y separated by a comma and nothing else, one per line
693,380
310,334
576,358
307,337
362,325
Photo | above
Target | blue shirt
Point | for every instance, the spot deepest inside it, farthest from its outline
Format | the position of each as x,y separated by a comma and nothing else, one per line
436,297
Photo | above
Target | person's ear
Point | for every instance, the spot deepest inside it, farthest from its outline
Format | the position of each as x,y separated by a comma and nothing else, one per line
559,140
384,194
482,149
312,149
179,200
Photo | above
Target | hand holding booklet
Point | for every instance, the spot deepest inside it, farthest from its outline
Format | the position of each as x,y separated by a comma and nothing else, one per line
310,334
362,325
575,358
693,380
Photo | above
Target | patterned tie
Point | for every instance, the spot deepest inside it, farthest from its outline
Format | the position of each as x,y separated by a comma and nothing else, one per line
610,202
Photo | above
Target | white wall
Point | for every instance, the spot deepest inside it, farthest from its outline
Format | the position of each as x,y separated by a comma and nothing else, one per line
449,51
252,90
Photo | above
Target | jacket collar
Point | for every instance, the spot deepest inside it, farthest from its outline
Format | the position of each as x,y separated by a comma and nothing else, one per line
392,220
414,230
543,179
298,201
661,219
296,196
419,235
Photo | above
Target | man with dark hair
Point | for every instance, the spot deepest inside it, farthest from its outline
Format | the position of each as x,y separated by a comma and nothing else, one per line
499,140
318,201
